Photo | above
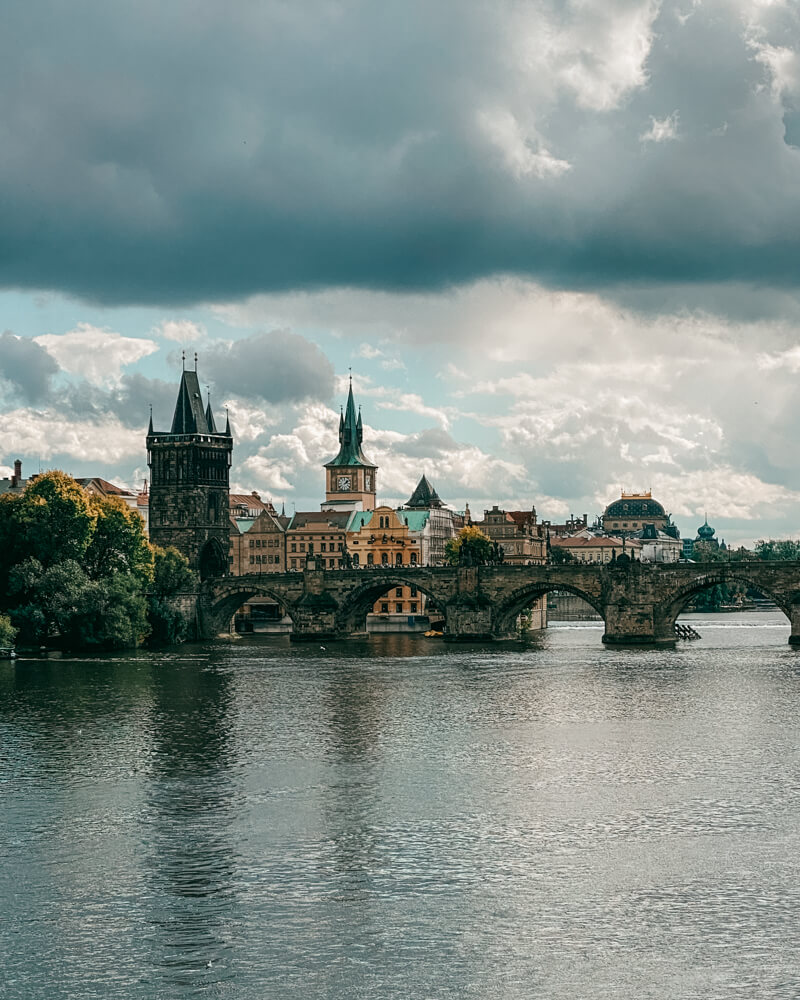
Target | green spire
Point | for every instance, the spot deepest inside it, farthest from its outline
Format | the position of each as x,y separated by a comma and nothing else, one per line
351,433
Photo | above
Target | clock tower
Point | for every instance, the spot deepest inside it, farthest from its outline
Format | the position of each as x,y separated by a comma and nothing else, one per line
350,477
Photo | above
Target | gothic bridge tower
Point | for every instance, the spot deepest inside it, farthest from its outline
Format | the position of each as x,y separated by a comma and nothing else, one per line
189,468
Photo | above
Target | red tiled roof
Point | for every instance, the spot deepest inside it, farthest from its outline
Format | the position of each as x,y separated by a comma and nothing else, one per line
595,543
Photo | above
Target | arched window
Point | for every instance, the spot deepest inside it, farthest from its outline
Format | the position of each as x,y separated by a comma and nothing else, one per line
398,559
413,558
370,559
355,559
384,558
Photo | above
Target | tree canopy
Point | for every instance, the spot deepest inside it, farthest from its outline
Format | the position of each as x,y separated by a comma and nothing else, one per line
470,547
73,567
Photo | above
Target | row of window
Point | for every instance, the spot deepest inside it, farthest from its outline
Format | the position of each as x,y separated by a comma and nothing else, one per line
398,608
386,559
272,560
268,543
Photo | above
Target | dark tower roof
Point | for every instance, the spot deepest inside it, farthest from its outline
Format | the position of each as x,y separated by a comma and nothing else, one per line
424,496
189,418
350,435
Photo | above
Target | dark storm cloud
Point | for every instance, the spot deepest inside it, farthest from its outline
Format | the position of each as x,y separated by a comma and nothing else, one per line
195,151
27,367
275,367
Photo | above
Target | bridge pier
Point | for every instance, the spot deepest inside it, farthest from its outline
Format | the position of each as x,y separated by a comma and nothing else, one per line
794,620
636,625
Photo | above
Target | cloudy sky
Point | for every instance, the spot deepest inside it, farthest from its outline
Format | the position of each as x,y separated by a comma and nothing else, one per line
557,242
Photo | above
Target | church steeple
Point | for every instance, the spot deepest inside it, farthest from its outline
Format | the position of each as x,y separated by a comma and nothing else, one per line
350,476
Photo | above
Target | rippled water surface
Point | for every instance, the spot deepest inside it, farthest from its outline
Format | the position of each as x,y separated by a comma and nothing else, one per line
400,818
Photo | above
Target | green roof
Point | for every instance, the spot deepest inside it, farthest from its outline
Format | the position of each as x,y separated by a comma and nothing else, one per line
416,519
350,435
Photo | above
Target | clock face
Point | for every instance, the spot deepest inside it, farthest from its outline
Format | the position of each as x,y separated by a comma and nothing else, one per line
343,484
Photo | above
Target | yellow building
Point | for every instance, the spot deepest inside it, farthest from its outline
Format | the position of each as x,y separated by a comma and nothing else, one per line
377,540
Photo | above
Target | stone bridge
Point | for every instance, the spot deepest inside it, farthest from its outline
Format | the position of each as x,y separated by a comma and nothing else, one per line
638,602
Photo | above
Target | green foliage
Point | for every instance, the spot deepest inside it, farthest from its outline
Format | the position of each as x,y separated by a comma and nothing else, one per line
171,575
560,555
777,549
470,547
7,632
73,567
118,543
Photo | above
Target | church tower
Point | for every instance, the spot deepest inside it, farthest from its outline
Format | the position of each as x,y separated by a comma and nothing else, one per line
189,482
350,477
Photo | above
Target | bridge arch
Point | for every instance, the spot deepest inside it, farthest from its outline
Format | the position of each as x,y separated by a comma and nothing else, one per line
358,602
510,607
224,604
669,609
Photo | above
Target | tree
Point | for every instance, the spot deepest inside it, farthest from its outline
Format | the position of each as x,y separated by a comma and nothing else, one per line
470,547
7,632
171,575
118,543
559,555
777,549
73,567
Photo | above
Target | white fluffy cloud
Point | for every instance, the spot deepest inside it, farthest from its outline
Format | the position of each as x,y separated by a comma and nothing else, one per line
184,331
96,354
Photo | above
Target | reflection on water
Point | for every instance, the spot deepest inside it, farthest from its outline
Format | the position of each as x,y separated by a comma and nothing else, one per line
394,817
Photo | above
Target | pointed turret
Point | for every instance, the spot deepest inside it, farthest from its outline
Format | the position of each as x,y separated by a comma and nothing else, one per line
228,432
360,427
212,427
150,425
341,424
424,496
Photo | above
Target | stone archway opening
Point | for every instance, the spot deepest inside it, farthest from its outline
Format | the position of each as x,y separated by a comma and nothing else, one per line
506,615
213,561
386,602
233,611
723,594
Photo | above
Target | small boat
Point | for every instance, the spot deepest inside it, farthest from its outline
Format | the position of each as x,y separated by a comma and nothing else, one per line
431,633
7,653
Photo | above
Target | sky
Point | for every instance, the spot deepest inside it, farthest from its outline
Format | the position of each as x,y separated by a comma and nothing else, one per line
557,243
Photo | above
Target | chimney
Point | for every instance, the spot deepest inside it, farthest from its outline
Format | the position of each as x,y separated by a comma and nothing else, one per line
16,479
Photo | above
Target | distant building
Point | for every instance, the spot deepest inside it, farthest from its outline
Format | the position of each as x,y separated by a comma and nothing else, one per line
431,521
628,516
317,535
571,526
14,483
517,532
705,536
603,549
658,546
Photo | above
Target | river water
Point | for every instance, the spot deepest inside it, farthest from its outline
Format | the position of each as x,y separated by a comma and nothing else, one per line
399,818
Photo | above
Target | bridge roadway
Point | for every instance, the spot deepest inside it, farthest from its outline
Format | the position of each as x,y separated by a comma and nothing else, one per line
638,603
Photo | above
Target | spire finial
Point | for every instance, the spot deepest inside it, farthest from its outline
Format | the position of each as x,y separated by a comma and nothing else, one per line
195,361
350,369
183,360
